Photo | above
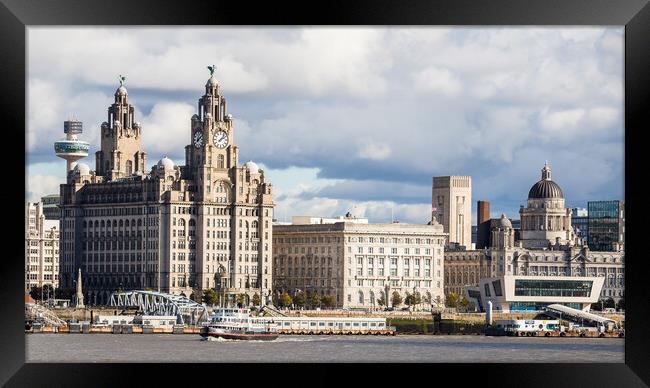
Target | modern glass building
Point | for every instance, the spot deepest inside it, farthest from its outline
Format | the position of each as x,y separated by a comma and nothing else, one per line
606,225
580,222
51,208
511,293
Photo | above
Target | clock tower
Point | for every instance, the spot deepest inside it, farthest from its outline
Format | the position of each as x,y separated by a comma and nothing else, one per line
234,205
211,153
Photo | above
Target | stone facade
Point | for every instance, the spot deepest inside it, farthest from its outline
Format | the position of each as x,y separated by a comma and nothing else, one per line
465,268
545,219
51,208
550,249
359,263
452,207
206,224
41,248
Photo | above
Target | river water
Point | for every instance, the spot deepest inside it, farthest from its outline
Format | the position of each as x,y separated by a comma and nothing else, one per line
401,348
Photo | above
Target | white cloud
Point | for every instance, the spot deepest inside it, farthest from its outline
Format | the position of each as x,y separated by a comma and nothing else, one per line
166,130
374,151
355,104
558,122
41,185
582,34
438,80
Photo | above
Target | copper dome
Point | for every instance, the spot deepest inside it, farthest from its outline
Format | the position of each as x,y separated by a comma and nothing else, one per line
545,188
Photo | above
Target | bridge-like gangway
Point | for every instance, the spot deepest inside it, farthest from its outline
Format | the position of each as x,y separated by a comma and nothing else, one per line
574,315
158,303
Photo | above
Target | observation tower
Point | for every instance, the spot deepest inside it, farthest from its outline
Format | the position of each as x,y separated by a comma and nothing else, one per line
71,148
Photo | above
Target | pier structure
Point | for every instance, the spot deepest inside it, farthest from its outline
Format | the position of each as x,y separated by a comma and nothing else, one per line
158,303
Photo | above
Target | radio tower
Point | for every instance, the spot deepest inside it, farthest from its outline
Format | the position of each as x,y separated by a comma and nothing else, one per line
71,149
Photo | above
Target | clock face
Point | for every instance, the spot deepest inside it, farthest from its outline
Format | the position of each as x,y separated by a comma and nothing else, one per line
198,139
220,139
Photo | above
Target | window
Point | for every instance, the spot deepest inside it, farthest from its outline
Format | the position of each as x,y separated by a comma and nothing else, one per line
497,288
568,288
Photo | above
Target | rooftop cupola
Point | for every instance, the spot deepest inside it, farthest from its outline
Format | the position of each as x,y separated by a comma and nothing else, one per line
212,86
212,102
546,172
545,188
121,94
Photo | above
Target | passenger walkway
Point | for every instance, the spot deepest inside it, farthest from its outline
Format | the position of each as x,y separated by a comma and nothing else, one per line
574,315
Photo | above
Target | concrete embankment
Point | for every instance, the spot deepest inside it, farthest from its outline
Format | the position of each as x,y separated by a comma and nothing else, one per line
429,326
76,328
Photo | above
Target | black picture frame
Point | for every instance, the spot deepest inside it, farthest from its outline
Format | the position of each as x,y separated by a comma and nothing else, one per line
16,15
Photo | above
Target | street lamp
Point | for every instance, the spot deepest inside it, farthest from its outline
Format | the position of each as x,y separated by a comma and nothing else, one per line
413,297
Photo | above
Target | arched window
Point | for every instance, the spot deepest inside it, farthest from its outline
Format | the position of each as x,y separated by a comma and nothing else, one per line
360,297
220,162
129,167
126,223
192,222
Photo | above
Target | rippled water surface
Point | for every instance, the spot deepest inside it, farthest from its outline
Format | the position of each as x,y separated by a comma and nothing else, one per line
192,348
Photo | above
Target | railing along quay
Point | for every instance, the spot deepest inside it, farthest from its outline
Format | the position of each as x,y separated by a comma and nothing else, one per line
145,329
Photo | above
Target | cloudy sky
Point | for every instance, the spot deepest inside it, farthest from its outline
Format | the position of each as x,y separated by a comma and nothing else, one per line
352,119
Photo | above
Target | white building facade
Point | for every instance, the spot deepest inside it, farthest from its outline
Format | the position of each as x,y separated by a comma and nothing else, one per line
173,228
360,263
511,293
41,248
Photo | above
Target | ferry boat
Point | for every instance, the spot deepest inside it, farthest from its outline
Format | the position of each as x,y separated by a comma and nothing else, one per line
236,323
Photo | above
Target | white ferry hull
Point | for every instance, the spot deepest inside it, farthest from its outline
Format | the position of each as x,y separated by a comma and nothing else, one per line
209,331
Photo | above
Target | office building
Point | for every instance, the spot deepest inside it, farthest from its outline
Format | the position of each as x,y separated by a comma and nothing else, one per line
512,293
551,249
359,263
51,208
170,228
41,248
452,207
580,223
606,220
465,268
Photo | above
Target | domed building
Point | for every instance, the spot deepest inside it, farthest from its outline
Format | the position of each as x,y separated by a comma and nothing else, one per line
503,235
180,229
545,220
546,256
